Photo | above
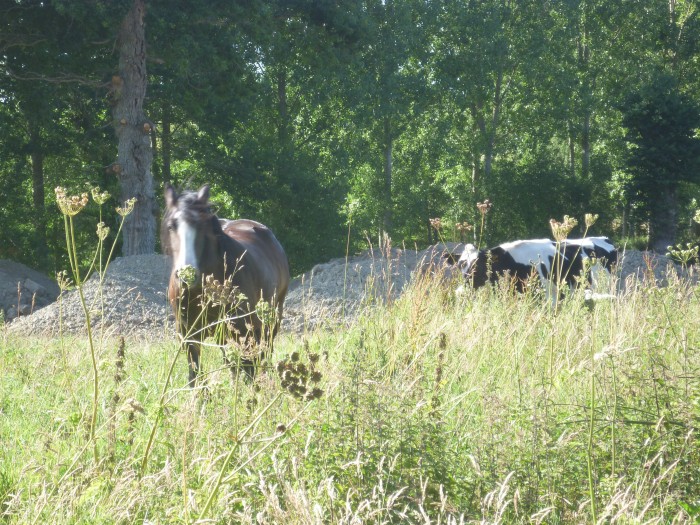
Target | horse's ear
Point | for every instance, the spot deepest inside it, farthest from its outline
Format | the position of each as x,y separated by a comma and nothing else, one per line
170,195
203,193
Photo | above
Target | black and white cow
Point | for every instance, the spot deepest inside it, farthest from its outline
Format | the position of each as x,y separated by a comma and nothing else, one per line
600,251
519,260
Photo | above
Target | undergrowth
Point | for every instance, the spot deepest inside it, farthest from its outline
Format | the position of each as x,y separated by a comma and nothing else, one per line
480,408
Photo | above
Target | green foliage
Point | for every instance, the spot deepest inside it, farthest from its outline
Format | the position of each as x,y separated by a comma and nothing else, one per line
314,117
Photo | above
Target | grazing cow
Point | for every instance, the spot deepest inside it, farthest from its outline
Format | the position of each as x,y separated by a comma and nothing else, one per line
598,250
520,259
241,254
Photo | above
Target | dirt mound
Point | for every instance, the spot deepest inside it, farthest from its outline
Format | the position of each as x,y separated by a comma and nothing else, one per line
23,290
135,300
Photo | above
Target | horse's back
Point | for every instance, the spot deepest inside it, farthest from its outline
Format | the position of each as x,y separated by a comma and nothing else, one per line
267,259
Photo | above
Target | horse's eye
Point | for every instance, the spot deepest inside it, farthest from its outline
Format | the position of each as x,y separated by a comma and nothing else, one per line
172,225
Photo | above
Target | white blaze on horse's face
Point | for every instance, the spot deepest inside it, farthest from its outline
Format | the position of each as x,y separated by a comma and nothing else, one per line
187,254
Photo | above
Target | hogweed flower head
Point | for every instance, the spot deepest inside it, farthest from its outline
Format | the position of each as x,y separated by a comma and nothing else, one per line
64,282
436,223
696,218
590,219
484,207
682,255
221,294
102,231
298,378
561,230
464,227
266,313
72,205
187,274
127,208
100,197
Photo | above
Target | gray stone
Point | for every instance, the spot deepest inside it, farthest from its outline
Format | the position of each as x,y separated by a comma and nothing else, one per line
34,288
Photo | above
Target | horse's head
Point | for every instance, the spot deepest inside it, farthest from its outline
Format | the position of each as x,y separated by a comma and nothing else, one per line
187,224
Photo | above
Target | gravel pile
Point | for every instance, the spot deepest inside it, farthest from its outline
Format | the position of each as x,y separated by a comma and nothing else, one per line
135,300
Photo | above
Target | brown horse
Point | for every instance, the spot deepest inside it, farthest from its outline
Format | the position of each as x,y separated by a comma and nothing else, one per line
240,260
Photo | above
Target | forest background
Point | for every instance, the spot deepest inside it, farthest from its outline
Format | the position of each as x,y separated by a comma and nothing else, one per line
332,121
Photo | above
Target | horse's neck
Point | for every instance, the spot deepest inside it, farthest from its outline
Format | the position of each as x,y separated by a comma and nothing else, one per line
223,251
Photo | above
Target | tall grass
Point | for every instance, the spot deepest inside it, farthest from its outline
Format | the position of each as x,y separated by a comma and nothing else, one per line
482,408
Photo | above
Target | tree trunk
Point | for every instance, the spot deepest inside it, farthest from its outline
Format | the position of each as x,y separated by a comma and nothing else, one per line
572,150
166,145
387,219
586,144
663,222
38,196
135,154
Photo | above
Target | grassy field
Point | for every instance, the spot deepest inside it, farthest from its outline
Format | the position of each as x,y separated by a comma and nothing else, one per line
483,408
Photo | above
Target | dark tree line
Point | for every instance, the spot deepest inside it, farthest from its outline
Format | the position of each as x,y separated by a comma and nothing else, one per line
322,117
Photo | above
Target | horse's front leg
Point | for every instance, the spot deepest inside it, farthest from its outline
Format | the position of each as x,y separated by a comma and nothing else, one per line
193,363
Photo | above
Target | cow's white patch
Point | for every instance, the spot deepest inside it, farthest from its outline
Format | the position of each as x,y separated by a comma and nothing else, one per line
534,252
187,255
589,244
538,253
468,256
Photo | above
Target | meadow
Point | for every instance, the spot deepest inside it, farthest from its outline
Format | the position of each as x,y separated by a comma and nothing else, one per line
435,408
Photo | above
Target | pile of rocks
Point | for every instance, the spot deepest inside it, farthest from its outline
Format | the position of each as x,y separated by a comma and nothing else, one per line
23,290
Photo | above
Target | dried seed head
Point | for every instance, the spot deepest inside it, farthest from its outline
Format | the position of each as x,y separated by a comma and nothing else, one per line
484,207
98,196
102,231
561,230
127,208
436,223
72,205
281,428
64,282
590,219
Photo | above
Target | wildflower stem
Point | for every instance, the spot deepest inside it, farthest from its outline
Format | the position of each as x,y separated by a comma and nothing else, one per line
159,413
234,448
73,253
591,428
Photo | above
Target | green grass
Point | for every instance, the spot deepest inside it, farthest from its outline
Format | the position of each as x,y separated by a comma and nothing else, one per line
485,408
